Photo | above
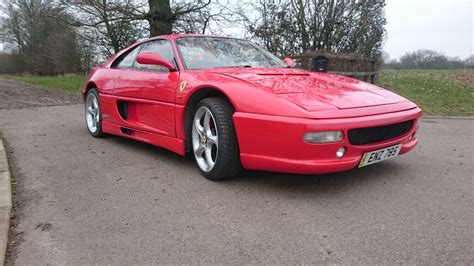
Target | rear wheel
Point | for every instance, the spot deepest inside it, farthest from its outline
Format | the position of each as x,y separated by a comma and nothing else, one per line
214,141
93,113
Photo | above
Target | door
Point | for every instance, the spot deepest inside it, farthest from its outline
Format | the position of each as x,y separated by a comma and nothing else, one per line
146,94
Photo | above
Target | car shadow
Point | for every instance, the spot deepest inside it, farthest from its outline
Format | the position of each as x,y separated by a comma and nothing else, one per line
149,149
322,184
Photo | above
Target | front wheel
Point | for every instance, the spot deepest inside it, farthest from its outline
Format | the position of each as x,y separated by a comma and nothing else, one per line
93,113
214,141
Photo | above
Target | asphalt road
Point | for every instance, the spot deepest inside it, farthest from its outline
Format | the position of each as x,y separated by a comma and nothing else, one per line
113,200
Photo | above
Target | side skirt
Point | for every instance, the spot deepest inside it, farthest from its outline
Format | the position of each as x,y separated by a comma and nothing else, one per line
169,143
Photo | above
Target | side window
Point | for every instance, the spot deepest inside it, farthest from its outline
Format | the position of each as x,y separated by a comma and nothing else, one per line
127,60
161,47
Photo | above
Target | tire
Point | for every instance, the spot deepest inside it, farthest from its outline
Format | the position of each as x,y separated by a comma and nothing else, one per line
93,113
214,142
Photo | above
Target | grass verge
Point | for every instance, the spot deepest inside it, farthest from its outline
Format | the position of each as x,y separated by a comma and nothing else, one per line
437,92
72,83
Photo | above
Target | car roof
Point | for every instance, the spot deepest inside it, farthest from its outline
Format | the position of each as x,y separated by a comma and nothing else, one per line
179,35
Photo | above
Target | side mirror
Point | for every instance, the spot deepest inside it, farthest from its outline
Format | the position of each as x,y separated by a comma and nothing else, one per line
288,61
154,59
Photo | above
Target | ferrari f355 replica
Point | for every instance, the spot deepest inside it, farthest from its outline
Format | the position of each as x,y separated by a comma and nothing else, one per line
234,105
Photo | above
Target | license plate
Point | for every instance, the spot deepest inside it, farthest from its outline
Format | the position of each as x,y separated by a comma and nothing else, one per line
380,155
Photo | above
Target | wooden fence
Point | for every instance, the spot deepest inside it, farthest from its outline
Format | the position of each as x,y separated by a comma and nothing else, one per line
351,65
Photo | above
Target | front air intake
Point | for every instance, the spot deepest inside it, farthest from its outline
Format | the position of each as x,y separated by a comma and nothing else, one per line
369,135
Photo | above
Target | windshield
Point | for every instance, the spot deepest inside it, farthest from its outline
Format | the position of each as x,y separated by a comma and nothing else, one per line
214,52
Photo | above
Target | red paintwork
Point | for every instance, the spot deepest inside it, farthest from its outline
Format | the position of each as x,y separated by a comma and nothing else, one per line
273,110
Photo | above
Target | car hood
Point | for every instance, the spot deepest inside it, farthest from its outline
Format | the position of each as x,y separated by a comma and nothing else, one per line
314,91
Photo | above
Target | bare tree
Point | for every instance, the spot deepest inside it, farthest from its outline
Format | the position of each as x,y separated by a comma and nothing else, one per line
97,29
160,14
117,24
220,14
335,26
110,25
275,28
428,59
44,45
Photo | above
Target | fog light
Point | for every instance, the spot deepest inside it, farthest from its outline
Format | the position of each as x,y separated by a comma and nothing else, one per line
323,137
340,152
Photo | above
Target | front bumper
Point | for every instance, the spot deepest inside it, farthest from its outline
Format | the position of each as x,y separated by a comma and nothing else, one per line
275,143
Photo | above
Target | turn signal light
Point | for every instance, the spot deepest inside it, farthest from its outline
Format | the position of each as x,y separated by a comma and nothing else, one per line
323,137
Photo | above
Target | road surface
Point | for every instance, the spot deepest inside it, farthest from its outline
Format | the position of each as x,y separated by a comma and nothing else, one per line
113,200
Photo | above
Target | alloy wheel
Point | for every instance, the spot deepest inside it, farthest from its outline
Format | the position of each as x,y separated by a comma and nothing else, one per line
92,113
205,139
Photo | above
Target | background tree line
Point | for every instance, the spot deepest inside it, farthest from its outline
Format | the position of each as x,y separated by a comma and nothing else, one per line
50,37
428,59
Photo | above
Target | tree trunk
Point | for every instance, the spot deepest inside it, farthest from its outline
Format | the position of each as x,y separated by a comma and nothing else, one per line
160,17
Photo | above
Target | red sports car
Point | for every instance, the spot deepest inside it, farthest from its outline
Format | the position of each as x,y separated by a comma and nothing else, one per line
234,105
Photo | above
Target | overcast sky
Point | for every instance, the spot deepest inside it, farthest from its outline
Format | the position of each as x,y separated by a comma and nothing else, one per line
441,25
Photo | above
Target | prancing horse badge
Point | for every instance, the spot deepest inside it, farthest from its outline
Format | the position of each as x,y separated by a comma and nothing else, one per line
182,86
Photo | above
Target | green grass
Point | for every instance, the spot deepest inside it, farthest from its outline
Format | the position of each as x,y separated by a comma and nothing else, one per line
66,82
437,92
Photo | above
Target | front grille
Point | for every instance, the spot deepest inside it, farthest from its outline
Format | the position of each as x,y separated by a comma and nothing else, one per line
368,135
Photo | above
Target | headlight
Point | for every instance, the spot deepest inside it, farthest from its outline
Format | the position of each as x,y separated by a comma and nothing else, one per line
323,137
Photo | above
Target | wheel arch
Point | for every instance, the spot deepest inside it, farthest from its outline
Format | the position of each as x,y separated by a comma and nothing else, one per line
191,104
90,85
